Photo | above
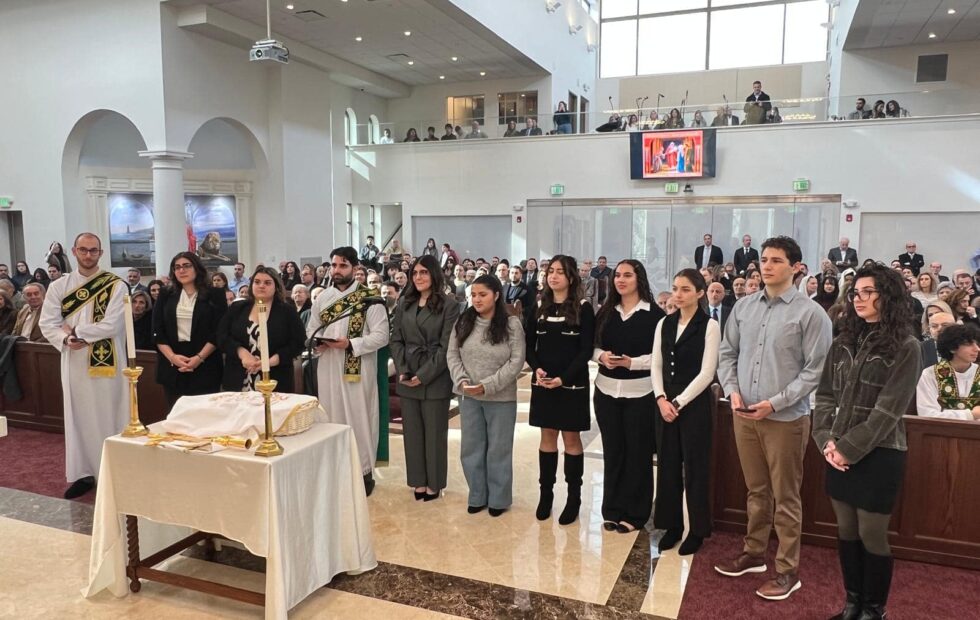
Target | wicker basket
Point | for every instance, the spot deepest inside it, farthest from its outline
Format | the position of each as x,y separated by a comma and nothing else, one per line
300,419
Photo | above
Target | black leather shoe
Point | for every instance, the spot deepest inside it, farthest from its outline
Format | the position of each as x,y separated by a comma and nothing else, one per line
419,495
625,528
431,496
496,512
368,484
609,526
475,509
80,487
690,545
669,540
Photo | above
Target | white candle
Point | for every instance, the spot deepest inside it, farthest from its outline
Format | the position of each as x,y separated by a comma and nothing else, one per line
130,332
264,336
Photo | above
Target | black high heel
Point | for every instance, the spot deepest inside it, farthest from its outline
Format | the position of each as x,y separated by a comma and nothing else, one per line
419,495
428,497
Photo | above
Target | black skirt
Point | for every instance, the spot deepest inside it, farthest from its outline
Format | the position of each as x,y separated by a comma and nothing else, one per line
871,484
561,408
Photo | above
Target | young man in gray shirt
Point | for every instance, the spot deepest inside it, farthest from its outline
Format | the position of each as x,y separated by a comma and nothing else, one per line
771,357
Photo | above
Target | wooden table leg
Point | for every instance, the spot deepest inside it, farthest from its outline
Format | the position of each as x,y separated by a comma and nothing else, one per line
133,538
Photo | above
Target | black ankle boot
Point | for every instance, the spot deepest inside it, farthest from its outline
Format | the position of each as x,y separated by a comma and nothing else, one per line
851,554
547,469
670,539
877,583
574,464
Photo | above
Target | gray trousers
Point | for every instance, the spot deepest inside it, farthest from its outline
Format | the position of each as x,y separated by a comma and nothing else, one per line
487,449
425,424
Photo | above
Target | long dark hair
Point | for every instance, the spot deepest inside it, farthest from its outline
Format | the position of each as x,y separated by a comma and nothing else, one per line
437,296
498,331
894,313
570,308
201,280
696,278
280,295
613,298
825,299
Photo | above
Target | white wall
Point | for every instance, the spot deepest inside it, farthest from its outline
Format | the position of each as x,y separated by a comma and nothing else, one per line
887,166
842,17
889,73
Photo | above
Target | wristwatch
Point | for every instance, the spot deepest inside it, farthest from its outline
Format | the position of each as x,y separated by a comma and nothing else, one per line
676,404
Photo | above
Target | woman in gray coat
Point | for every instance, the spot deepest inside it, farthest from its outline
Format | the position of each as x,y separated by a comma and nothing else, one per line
420,333
486,353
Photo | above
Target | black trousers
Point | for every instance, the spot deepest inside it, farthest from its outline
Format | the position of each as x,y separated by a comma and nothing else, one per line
684,463
628,442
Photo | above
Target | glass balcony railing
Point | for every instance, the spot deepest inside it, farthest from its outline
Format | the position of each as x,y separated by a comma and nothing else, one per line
923,103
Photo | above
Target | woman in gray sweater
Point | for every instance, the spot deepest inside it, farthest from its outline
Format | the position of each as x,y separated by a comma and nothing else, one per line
486,353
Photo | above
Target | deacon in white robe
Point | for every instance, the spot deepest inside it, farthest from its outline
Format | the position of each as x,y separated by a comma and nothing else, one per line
354,403
95,407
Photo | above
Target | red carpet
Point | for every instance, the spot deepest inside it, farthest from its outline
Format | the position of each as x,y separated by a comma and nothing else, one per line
918,590
35,462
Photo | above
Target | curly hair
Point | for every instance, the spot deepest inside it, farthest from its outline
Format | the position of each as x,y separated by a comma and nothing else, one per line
952,337
894,312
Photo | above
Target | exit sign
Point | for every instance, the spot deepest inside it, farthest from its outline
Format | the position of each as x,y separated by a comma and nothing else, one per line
801,185
6,202
557,189
672,188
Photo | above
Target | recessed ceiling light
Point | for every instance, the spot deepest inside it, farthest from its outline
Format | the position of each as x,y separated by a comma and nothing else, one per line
358,39
483,72
454,58
289,7
932,35
442,77
951,12
408,33
411,62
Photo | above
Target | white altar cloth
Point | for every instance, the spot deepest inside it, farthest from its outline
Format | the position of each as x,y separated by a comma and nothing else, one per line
304,511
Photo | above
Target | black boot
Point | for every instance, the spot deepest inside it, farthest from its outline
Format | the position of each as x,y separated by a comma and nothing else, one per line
851,553
547,469
877,583
574,464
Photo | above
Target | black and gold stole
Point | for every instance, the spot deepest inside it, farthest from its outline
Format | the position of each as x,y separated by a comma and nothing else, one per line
949,392
98,291
353,306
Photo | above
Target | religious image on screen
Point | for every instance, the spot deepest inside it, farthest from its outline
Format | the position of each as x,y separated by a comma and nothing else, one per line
669,154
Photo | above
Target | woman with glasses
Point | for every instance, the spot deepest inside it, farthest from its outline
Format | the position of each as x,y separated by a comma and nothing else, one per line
420,335
869,380
185,323
238,336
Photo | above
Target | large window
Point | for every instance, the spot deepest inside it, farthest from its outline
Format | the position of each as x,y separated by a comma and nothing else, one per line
464,110
640,37
516,106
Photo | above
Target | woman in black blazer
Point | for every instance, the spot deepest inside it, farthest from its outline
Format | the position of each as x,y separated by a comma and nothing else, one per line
185,318
238,336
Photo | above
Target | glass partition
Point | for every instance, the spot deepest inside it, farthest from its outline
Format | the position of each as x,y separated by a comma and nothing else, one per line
663,234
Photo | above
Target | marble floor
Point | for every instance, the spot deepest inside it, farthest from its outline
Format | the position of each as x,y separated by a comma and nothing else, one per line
436,560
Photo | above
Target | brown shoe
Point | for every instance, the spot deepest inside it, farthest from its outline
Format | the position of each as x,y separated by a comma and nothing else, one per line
744,563
780,588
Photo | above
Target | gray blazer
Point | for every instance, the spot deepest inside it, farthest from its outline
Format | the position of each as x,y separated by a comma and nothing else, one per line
419,341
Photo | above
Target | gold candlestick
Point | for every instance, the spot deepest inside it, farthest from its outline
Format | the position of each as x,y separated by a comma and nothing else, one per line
269,445
135,428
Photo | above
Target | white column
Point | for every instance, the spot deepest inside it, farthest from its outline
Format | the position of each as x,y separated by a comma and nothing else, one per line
169,222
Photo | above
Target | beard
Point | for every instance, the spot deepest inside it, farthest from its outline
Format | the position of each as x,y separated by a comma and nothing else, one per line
342,280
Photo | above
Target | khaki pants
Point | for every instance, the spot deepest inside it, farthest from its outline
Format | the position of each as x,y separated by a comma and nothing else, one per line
771,454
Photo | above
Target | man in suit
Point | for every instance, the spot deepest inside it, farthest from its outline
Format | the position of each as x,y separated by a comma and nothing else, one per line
27,319
745,255
707,255
133,279
717,309
757,105
531,127
910,259
936,267
514,288
603,275
930,355
844,256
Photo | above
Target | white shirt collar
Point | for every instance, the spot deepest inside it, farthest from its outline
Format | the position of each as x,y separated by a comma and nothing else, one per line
642,305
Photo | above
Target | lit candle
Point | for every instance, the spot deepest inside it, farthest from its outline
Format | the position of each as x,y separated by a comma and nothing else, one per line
264,335
130,332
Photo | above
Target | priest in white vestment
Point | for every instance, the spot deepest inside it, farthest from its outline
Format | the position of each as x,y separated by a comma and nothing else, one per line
83,318
347,373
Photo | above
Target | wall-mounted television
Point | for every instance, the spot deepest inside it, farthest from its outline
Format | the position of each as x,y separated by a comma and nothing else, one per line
672,154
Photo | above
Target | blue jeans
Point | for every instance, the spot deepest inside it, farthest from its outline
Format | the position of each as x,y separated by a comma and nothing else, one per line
565,128
487,449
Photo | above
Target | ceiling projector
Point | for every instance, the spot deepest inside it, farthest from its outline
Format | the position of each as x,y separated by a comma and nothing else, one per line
269,49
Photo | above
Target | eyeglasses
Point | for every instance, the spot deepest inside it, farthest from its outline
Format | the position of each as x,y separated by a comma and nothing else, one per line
89,251
183,266
863,294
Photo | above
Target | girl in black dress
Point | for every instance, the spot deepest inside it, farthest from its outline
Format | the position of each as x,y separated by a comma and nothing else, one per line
559,346
624,397
685,354
868,382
